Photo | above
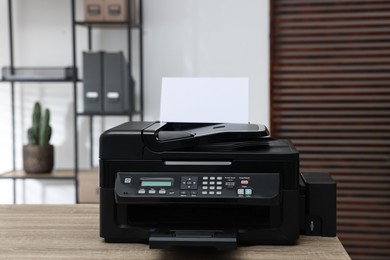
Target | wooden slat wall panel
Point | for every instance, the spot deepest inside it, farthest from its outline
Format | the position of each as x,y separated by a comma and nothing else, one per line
330,94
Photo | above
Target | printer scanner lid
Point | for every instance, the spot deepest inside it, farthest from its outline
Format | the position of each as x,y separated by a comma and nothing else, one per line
140,140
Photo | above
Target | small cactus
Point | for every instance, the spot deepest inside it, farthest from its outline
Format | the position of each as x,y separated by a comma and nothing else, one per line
45,129
32,140
40,132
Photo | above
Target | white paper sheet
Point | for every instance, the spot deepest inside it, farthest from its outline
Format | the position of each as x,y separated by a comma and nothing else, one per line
209,100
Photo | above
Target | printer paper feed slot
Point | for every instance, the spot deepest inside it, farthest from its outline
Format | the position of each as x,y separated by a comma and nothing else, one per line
169,136
198,163
221,239
173,135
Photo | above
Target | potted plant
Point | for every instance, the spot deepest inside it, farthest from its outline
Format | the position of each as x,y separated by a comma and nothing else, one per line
38,154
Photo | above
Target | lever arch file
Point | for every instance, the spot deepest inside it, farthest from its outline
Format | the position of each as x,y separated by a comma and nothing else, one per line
93,88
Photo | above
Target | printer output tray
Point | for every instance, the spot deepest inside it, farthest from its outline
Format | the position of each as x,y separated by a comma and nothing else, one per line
223,238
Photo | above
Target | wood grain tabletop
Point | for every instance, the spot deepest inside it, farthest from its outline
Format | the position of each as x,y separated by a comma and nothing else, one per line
72,232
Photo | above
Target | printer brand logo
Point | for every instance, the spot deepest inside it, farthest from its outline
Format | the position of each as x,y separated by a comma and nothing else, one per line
127,180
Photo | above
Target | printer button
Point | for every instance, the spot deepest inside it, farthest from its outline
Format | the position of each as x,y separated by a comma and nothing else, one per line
152,191
212,187
183,193
204,188
162,191
205,177
219,182
219,192
204,192
240,191
212,178
219,187
194,192
248,192
219,178
212,182
230,184
127,180
189,178
244,182
211,192
141,191
205,183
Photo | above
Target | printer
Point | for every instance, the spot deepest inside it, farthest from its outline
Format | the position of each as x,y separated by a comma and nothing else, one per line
212,185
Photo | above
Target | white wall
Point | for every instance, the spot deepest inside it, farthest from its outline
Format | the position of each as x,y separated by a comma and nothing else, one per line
182,38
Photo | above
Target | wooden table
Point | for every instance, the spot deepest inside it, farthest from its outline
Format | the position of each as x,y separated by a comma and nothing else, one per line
72,231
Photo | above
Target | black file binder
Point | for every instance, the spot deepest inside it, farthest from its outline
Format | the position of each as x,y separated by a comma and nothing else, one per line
117,90
93,88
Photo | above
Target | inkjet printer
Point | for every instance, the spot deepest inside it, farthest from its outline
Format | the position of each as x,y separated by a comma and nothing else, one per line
213,185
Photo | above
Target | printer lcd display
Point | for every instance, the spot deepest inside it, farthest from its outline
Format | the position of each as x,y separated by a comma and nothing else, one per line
156,183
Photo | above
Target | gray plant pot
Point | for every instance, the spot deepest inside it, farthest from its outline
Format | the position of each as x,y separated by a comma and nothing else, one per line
38,159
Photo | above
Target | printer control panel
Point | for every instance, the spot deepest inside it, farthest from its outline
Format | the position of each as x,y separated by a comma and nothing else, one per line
135,187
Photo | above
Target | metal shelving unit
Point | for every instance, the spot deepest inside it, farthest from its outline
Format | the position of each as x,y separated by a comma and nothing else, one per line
74,173
129,27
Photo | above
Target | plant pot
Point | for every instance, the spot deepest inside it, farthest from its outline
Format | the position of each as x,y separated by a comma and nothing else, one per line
38,159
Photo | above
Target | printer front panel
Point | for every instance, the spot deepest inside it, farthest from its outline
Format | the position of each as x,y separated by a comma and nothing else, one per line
196,187
251,199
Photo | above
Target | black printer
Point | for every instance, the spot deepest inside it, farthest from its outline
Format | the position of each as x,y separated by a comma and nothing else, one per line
213,185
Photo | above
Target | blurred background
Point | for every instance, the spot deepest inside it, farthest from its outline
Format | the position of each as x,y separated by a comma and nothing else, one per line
318,75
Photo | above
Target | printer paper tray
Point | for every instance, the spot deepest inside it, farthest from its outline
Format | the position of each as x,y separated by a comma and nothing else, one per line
219,238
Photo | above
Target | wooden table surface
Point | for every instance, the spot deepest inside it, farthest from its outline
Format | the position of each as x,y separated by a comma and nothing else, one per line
72,231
